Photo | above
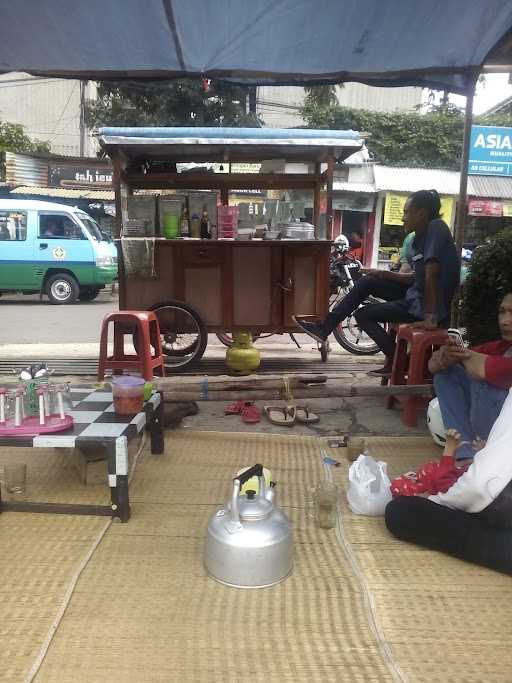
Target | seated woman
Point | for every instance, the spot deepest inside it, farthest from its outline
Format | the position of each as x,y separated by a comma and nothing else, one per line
473,519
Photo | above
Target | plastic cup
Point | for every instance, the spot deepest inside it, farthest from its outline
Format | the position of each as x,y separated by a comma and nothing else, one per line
15,476
128,394
171,226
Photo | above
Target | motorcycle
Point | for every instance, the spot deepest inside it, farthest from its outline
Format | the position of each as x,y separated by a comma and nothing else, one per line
344,271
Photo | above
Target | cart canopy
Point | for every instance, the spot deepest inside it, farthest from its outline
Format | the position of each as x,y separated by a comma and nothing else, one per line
230,144
434,43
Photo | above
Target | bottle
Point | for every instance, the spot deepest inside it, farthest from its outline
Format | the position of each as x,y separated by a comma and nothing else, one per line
185,223
205,225
195,226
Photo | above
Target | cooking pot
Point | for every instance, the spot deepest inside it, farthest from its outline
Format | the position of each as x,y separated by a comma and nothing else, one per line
249,542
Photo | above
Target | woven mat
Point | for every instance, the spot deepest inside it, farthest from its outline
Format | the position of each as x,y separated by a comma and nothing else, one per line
442,618
143,609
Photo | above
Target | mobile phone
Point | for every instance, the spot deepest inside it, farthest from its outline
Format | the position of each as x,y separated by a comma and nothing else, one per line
455,336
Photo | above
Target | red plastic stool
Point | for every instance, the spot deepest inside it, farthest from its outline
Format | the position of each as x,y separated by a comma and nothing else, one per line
413,368
142,324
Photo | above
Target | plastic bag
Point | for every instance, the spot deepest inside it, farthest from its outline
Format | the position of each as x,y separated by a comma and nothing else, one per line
369,486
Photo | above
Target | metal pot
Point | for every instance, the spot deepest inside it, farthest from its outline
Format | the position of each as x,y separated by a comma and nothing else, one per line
249,541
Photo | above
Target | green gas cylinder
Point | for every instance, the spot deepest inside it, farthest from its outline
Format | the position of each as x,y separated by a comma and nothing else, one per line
243,357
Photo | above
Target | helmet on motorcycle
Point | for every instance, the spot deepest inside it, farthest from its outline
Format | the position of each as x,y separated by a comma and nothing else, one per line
341,244
435,422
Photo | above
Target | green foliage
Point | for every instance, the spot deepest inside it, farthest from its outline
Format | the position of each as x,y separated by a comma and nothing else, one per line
433,139
490,278
13,139
171,103
321,95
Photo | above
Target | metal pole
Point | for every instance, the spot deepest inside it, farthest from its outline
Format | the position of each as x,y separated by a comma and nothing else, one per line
463,190
82,118
463,187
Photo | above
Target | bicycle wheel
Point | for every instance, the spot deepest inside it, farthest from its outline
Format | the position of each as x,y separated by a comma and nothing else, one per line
183,333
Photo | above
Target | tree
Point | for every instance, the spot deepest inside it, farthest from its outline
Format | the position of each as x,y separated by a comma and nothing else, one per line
321,95
14,139
183,102
404,138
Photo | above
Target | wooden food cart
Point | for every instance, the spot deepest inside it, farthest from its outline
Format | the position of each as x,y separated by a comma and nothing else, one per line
200,286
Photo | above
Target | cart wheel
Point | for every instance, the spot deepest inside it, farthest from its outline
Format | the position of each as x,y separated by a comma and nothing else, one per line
184,335
324,349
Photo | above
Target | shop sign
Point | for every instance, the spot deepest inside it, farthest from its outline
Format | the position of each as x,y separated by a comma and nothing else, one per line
485,207
490,151
507,209
394,209
73,175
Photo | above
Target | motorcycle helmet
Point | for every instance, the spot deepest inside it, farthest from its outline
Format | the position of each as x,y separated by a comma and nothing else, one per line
341,244
435,422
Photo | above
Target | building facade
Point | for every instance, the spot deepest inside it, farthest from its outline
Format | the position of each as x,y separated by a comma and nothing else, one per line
49,110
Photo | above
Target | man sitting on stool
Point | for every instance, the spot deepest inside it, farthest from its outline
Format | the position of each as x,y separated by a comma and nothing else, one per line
422,297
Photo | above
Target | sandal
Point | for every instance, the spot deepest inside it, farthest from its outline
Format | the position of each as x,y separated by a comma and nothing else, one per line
235,408
281,416
305,416
250,413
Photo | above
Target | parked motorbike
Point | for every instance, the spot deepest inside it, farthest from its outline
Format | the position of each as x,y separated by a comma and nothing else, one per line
344,271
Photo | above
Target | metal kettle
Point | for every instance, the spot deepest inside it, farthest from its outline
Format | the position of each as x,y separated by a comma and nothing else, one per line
249,542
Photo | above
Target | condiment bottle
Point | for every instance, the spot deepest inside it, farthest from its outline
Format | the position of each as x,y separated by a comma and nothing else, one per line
195,226
205,225
185,223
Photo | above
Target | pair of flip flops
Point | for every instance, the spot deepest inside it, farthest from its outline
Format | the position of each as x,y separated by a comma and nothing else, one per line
248,411
287,416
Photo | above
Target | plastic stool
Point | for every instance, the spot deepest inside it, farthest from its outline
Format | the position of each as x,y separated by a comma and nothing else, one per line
146,330
413,368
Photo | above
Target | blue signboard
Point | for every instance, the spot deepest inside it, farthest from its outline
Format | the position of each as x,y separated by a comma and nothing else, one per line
490,151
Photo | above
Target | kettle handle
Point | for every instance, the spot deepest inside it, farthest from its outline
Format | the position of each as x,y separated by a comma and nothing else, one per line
254,471
239,481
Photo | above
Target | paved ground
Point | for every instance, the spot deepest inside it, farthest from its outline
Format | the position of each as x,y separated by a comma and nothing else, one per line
31,328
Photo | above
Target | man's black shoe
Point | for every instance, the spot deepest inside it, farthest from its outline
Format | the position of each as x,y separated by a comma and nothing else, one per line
314,330
381,372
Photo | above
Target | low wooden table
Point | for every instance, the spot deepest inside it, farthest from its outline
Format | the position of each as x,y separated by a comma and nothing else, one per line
96,424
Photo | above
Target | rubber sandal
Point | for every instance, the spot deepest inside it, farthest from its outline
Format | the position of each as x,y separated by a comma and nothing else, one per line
281,416
250,413
305,416
235,408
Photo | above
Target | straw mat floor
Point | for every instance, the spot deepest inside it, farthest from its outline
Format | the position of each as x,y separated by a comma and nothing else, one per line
359,606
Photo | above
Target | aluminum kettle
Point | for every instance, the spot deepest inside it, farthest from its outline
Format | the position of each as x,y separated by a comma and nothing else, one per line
249,542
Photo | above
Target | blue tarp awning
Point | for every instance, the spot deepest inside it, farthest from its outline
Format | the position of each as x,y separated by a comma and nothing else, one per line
433,43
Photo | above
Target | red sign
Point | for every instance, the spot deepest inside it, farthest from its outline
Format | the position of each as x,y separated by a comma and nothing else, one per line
485,207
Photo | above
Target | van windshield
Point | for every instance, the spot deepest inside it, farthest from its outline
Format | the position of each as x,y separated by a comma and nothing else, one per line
92,227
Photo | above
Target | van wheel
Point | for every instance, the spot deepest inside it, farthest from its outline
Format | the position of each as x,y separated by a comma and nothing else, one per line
88,294
62,289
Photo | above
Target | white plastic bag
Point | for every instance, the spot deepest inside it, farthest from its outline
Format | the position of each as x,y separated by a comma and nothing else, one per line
369,486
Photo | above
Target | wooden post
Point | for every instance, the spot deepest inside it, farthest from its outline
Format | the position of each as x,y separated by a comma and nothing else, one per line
329,215
316,200
224,196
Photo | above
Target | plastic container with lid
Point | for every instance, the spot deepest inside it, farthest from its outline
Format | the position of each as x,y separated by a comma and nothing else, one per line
128,393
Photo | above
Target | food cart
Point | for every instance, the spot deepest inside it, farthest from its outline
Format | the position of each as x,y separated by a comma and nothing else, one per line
217,285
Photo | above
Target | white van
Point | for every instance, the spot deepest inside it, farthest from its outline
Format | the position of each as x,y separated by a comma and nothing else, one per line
54,249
